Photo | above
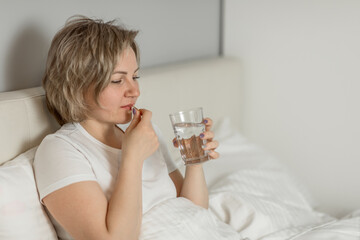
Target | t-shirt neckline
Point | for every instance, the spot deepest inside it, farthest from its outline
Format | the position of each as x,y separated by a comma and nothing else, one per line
101,144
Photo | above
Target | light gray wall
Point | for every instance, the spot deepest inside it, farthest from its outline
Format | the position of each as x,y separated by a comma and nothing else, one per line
301,75
170,31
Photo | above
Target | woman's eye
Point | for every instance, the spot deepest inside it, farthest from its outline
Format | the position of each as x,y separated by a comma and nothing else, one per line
136,77
117,81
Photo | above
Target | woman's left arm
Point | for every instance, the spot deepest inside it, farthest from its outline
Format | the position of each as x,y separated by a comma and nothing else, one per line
193,185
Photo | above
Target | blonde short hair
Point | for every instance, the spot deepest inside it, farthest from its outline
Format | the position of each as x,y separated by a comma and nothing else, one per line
83,53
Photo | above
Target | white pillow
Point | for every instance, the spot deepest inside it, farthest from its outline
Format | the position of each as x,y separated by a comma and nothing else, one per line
21,214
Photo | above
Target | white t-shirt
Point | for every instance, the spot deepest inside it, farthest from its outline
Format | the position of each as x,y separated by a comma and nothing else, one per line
72,155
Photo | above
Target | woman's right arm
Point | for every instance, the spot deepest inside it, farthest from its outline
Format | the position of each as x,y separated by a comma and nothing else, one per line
82,208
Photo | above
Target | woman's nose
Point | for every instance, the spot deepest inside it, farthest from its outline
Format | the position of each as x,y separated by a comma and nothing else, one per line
133,90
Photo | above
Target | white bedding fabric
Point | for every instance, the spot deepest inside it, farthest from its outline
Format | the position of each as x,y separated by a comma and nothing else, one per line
252,196
261,203
180,219
266,203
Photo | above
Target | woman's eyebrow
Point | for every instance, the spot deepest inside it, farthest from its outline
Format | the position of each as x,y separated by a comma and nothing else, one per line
124,72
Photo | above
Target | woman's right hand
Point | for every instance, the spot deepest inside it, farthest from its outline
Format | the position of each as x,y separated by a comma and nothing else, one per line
140,139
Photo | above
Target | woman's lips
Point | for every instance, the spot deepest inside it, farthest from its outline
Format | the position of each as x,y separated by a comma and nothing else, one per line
128,107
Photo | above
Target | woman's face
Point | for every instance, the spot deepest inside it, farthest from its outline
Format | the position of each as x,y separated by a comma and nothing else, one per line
117,99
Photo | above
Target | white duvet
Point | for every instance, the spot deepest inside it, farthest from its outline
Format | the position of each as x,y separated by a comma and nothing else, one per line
180,219
253,197
262,203
266,203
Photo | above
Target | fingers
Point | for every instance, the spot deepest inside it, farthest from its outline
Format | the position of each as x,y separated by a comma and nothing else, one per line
175,142
208,124
211,145
208,135
136,119
213,154
145,115
141,116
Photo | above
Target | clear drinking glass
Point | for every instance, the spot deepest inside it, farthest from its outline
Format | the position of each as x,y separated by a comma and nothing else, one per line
188,125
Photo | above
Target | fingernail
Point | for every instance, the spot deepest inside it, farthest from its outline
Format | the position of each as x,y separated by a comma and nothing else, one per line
134,110
202,135
205,121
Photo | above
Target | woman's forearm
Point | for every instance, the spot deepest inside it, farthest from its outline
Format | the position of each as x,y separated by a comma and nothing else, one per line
125,206
194,186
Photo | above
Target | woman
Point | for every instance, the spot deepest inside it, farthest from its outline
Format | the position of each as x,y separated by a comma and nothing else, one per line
95,179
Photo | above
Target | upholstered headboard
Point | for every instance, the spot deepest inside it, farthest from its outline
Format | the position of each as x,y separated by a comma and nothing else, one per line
24,121
212,83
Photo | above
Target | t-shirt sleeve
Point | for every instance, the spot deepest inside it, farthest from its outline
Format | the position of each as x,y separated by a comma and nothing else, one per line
58,164
170,163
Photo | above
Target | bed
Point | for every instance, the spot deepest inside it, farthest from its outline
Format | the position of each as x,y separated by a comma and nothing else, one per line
252,195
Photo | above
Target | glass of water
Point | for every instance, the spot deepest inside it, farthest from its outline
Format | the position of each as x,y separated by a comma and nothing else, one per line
188,125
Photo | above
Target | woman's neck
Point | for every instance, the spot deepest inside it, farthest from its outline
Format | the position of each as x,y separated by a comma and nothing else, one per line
107,133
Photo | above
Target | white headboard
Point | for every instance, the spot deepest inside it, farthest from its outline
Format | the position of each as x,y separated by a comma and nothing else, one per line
214,84
24,121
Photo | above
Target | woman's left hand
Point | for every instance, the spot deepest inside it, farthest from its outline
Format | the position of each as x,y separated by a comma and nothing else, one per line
208,135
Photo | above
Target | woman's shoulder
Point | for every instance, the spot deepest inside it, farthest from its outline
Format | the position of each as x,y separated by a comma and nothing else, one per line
62,134
60,140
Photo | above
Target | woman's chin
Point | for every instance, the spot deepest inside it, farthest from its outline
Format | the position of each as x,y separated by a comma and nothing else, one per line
125,120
